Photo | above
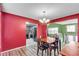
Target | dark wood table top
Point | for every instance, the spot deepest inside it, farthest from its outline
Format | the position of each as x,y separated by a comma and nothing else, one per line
71,49
48,40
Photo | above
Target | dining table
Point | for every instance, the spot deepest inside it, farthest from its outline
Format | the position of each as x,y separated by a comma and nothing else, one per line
48,40
70,49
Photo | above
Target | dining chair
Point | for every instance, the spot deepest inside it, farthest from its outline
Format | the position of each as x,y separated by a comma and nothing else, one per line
43,46
56,46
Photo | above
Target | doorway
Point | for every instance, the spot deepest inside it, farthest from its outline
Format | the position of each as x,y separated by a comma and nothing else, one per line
67,30
31,34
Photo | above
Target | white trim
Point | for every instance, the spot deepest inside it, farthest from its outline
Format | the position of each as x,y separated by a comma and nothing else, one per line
68,21
12,49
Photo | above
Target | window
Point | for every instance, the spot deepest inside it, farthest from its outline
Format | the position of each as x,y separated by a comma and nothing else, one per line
70,28
52,30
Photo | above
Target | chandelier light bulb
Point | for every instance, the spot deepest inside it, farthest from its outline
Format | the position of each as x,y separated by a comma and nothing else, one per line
47,20
41,20
44,19
27,23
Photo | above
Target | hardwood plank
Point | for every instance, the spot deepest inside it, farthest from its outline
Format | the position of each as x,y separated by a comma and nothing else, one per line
17,53
24,51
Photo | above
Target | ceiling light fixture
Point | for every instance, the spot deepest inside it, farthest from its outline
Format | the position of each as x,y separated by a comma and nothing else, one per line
44,19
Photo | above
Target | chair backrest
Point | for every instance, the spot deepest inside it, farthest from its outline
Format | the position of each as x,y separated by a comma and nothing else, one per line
57,42
56,39
38,42
41,43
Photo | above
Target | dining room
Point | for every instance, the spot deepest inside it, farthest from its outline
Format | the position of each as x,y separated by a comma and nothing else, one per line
56,29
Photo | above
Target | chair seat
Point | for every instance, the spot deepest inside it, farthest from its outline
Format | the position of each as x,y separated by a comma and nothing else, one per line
43,47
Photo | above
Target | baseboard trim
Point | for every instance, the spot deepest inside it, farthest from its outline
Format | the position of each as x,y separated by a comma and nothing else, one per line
12,49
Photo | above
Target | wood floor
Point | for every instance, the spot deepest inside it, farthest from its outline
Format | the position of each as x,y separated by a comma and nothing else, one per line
24,51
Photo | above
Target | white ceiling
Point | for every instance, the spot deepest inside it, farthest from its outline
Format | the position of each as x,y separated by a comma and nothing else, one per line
34,10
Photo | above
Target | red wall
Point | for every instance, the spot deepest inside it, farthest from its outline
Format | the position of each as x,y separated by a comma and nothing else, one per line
42,31
39,30
0,25
0,31
14,34
14,31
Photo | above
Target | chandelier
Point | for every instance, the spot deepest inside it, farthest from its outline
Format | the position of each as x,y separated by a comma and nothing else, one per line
44,19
